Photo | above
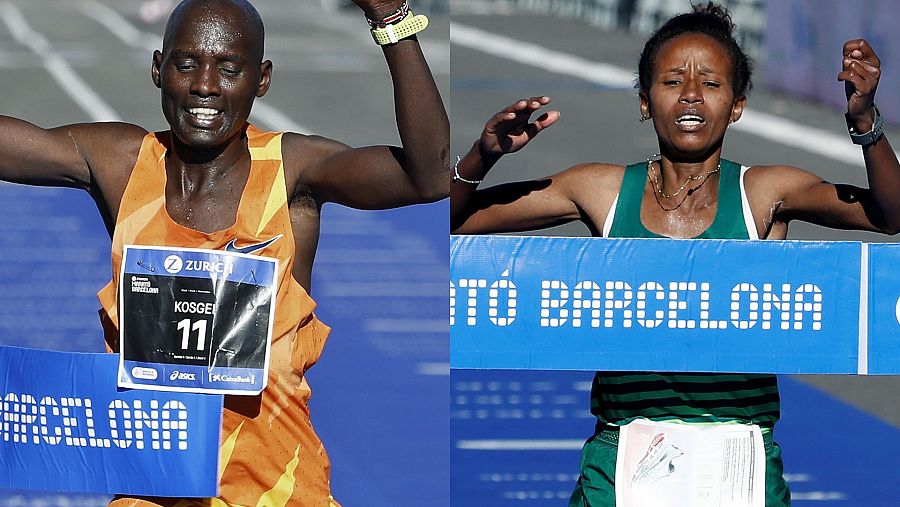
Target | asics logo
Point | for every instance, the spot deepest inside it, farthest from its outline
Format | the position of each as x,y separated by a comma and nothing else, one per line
232,247
180,375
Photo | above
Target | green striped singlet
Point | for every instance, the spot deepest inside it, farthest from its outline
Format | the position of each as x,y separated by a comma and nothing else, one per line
620,397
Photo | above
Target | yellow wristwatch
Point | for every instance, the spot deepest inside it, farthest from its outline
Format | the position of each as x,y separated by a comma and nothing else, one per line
406,27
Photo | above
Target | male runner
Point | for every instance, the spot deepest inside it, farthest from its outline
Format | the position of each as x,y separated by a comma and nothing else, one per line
215,182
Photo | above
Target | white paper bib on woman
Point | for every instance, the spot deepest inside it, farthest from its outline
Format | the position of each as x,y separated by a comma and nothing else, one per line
664,464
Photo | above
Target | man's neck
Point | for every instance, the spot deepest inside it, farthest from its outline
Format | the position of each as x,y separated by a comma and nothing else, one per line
200,168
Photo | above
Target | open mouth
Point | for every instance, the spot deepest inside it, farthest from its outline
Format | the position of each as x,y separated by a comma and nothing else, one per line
204,113
690,120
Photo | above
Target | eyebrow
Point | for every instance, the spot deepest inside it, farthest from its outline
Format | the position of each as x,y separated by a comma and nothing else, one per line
182,54
682,70
234,58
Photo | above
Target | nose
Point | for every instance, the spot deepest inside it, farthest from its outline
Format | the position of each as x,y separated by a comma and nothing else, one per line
206,82
691,92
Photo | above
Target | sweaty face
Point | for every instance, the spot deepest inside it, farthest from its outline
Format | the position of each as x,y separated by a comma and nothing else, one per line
691,98
209,75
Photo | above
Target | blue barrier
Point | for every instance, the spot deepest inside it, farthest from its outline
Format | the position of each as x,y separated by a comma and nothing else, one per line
66,427
884,301
674,305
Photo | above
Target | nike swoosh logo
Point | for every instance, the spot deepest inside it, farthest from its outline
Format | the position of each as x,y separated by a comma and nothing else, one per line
232,247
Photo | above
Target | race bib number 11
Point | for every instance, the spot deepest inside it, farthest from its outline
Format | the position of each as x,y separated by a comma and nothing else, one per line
195,320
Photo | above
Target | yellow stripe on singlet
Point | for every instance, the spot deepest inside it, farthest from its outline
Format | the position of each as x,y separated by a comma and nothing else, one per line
227,449
277,199
281,492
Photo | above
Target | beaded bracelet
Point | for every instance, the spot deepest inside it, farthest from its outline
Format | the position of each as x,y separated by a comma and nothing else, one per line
457,177
391,18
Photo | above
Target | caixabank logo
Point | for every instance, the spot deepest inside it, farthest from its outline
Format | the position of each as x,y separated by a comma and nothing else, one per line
234,379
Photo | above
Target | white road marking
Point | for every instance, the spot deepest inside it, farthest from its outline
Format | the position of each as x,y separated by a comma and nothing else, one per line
479,8
796,135
274,119
764,125
520,445
119,26
534,55
75,87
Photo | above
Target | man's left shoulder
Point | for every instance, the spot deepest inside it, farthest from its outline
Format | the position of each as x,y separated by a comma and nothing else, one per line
302,153
307,149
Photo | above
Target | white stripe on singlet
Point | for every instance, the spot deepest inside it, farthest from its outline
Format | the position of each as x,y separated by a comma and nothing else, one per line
607,224
745,205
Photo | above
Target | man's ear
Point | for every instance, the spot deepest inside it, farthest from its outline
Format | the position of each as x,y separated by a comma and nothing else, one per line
154,67
265,78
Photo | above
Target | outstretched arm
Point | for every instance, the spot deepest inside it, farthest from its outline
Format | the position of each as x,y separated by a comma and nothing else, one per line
36,156
91,156
384,177
517,206
843,206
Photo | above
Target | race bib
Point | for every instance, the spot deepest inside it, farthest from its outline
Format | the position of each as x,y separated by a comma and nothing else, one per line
195,320
675,465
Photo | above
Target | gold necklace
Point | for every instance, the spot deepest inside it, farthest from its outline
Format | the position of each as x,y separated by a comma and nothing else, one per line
659,191
691,178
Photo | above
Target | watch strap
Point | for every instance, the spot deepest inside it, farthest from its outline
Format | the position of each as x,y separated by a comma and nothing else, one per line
406,27
867,138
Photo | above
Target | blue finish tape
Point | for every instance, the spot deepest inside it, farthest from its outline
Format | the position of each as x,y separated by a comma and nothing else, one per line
66,427
673,305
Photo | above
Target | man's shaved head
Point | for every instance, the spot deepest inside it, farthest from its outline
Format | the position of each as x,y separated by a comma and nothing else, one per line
211,61
241,16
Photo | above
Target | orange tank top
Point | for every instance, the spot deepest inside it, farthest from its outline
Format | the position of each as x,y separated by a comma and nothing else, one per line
269,453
